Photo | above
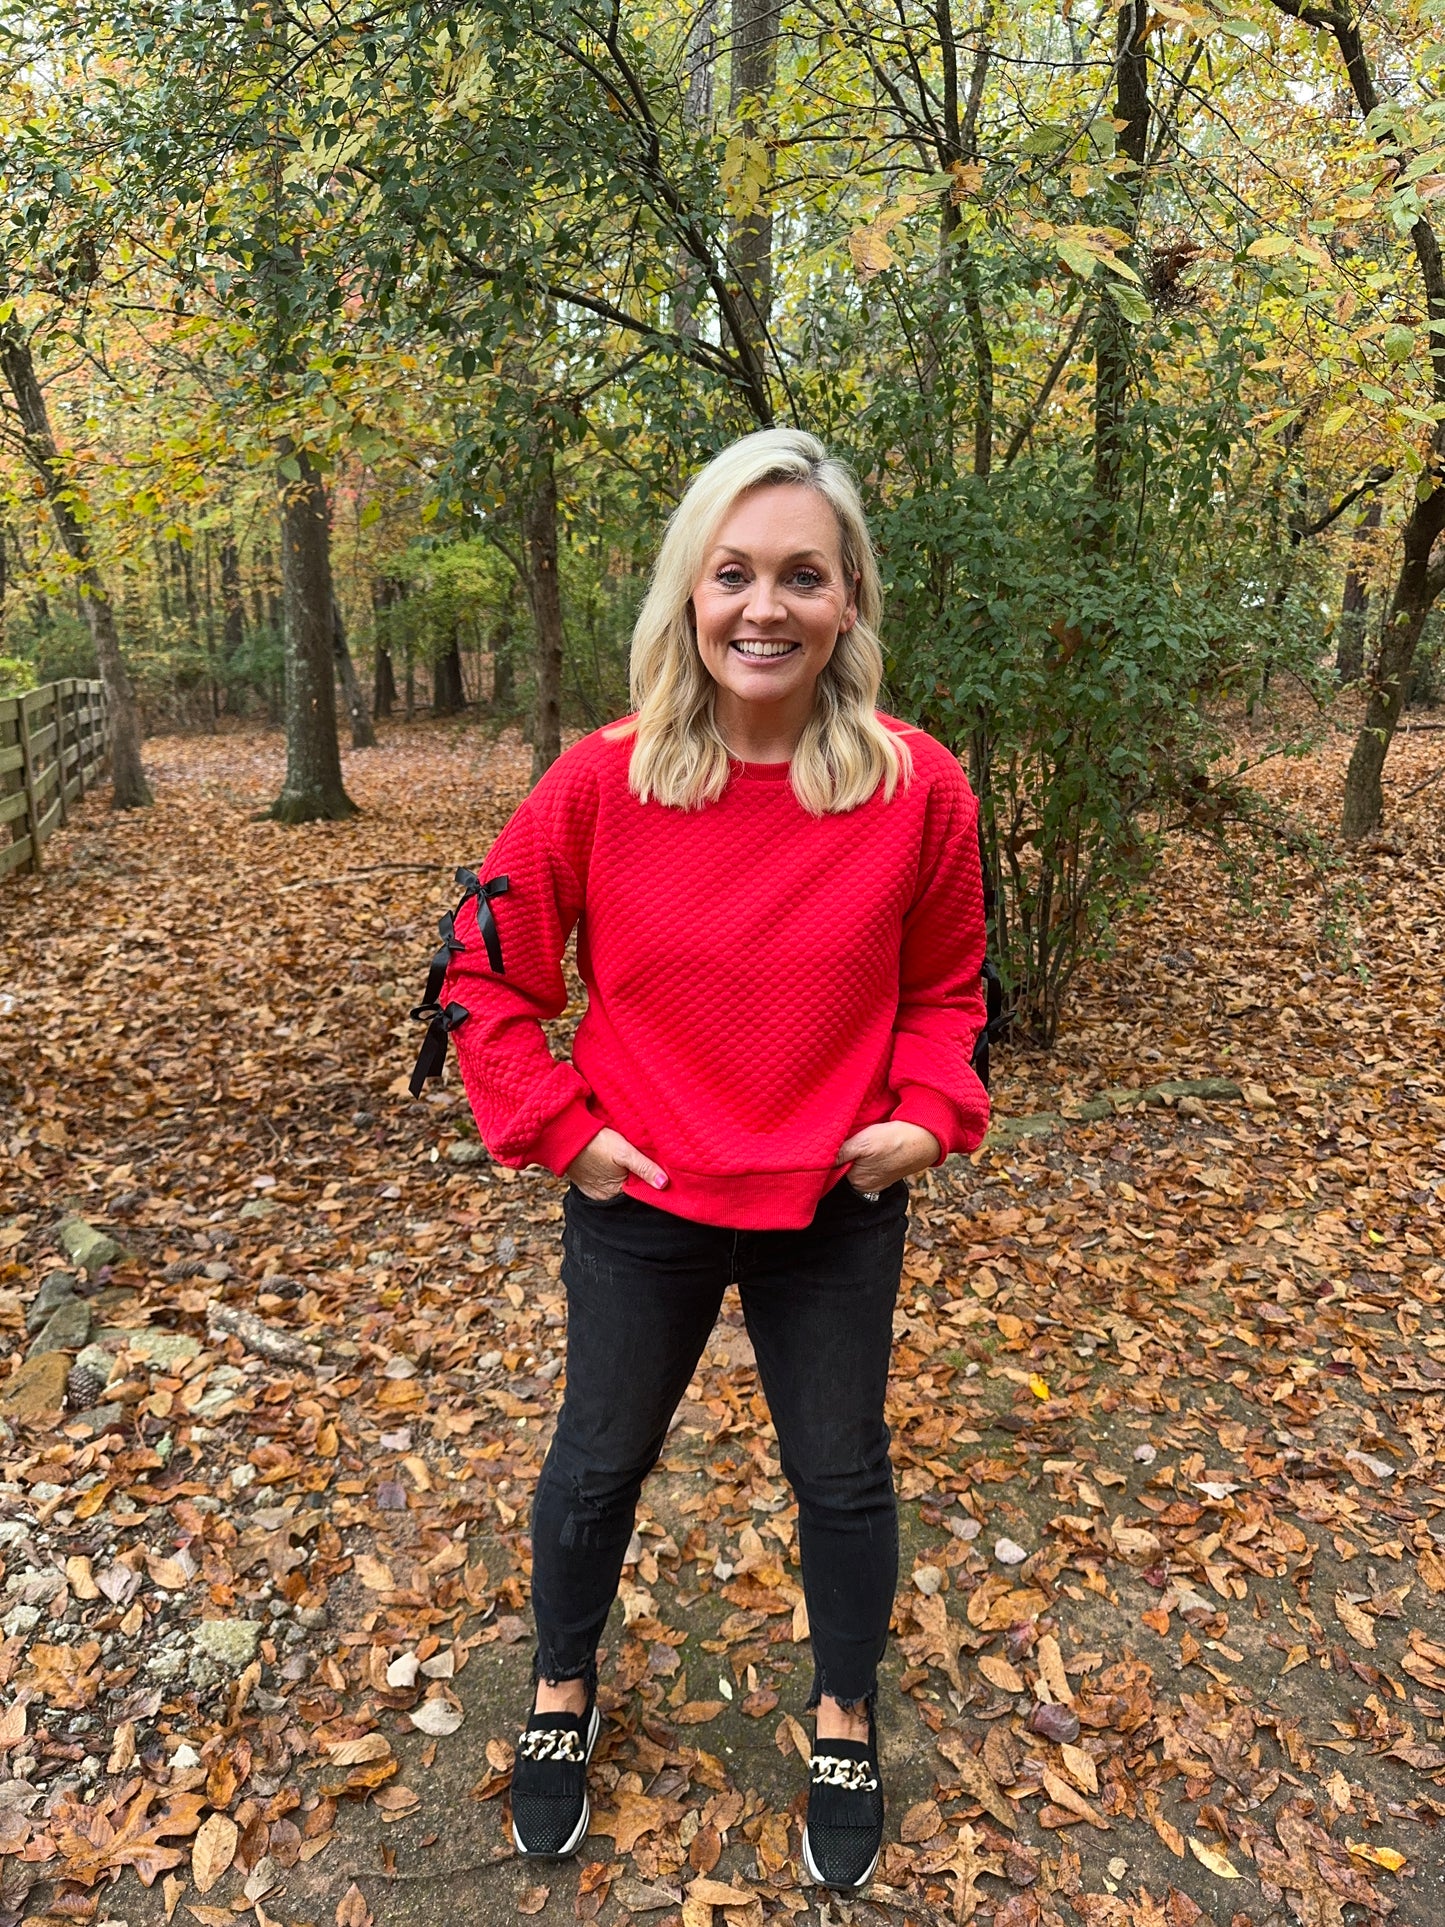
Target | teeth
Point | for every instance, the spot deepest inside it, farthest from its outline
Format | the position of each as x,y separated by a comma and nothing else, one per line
764,648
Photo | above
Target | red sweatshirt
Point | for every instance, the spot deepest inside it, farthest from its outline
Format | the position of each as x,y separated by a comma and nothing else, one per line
761,983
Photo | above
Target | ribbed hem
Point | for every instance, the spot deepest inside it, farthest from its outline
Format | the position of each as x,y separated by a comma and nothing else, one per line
568,1134
918,1105
745,1201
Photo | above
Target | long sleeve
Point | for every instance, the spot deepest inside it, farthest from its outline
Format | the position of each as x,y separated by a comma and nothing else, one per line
941,1007
530,1108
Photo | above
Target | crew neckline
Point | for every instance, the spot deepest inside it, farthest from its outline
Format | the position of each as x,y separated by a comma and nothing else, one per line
762,772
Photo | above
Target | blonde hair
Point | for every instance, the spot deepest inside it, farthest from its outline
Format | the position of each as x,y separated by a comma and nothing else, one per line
679,756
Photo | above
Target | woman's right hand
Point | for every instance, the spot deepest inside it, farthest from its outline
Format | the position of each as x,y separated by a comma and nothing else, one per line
600,1167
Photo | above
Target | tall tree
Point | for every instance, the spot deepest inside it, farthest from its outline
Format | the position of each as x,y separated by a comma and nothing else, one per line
129,788
1421,578
313,787
1113,342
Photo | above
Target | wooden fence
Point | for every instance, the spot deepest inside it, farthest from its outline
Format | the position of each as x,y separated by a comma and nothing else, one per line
53,744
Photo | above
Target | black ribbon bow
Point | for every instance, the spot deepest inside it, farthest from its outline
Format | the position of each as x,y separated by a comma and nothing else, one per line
441,1022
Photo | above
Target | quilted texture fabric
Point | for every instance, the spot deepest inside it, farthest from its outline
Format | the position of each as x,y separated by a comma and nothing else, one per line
761,983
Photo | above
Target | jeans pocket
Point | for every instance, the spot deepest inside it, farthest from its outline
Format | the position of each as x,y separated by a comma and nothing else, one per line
599,1204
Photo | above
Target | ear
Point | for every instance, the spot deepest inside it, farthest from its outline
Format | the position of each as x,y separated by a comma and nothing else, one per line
850,608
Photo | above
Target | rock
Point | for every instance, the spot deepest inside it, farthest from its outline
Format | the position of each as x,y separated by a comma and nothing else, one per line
86,1247
37,1390
161,1348
230,1642
100,1418
66,1329
55,1288
313,1618
257,1208
20,1620
1009,1553
467,1151
217,1272
99,1359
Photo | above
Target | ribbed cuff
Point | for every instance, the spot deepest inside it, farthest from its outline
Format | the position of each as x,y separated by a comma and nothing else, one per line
569,1133
918,1105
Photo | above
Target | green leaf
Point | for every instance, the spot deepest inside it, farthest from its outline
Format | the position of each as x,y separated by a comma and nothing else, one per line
1075,255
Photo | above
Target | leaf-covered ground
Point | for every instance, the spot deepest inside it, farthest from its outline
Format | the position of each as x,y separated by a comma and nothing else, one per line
1168,1406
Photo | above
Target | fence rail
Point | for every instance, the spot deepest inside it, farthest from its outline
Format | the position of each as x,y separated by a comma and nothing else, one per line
53,745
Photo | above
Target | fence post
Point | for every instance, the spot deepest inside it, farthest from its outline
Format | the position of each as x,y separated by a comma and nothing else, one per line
28,769
60,749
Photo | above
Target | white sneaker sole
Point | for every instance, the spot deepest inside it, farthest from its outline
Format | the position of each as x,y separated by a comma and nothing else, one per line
817,1878
579,1834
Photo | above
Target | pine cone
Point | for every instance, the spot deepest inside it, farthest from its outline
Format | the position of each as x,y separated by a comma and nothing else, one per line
84,1388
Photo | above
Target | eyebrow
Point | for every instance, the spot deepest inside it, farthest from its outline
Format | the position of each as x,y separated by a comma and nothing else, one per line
798,555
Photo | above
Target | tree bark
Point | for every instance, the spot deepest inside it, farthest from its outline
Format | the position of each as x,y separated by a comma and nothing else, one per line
363,733
129,788
449,695
697,110
1418,584
385,592
750,234
1415,594
504,671
544,596
1355,602
313,789
233,608
1112,340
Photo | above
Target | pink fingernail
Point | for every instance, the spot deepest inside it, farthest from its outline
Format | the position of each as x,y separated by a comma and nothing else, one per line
658,1182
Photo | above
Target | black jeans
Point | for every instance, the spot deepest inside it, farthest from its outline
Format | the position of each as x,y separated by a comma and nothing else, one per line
643,1292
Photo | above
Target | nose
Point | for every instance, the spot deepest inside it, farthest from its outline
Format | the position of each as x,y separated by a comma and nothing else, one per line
765,604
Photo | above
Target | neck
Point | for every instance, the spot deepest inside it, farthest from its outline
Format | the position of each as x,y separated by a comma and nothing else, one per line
762,732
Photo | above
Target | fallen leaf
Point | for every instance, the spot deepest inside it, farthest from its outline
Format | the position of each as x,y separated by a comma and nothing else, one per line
1214,1859
213,1850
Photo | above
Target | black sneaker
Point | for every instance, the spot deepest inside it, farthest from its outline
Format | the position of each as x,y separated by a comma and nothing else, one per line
550,1813
844,1833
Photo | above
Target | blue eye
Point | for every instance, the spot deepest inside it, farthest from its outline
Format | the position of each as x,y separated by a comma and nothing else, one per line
808,579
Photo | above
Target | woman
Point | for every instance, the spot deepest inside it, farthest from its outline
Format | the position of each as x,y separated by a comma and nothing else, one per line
780,925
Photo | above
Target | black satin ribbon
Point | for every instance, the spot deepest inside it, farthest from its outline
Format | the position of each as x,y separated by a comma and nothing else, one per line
441,1022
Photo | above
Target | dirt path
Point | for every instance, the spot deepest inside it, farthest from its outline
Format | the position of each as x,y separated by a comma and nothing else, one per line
1191,1367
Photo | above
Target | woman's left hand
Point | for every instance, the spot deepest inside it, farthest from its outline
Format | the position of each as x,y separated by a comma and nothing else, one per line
883,1153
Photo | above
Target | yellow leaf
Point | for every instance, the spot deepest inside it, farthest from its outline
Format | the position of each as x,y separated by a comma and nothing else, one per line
374,1574
213,1851
1212,1858
1385,1857
1296,1656
1039,1386
870,250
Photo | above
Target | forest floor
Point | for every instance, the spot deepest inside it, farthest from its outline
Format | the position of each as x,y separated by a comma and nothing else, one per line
1168,1409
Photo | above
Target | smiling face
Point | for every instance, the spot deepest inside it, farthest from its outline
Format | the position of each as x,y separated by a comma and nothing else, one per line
769,607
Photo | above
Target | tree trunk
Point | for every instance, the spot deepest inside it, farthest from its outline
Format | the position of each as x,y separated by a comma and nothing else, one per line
1418,584
1355,602
750,233
1415,594
129,789
1111,331
545,598
504,670
383,693
233,608
697,110
313,788
384,593
449,695
363,734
